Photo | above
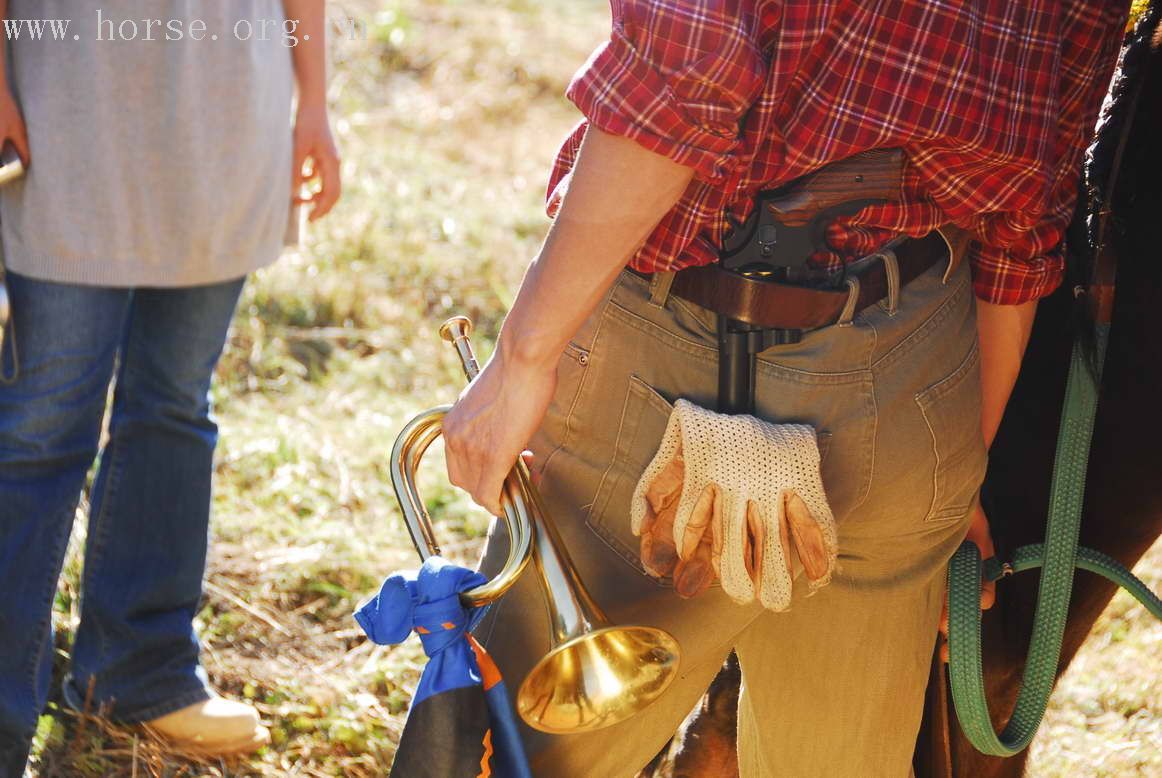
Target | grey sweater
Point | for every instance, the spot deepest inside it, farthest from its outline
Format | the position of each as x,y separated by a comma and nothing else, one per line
154,162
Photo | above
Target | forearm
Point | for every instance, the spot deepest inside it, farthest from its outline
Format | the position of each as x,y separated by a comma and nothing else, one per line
618,193
1004,333
310,54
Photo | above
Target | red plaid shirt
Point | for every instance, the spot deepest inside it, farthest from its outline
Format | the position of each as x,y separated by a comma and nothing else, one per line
993,102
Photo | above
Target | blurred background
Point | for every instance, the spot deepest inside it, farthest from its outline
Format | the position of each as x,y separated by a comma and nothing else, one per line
448,114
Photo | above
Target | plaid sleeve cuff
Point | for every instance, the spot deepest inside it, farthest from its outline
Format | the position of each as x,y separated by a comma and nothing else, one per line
1000,279
622,93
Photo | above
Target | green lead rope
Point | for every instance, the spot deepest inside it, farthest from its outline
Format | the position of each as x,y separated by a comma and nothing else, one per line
1058,557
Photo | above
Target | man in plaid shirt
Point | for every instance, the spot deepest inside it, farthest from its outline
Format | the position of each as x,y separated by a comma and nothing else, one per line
691,107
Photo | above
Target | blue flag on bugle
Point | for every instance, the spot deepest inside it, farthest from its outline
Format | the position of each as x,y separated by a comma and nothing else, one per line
461,724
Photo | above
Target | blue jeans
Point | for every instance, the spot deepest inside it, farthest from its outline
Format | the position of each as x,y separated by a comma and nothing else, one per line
135,650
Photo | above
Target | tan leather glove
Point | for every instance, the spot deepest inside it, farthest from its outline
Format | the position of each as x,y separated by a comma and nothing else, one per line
737,498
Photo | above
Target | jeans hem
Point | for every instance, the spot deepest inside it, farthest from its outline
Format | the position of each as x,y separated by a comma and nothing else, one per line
150,712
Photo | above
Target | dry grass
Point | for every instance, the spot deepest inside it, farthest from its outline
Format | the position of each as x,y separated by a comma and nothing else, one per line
1105,718
448,116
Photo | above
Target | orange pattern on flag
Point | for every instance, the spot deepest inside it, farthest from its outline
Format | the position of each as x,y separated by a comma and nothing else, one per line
489,673
486,760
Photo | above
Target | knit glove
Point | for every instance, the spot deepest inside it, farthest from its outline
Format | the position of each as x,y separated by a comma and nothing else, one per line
737,498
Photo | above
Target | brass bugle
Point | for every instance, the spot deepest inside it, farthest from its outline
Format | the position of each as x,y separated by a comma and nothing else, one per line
595,674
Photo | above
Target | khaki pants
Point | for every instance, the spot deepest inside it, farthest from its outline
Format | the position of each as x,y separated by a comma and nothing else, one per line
835,686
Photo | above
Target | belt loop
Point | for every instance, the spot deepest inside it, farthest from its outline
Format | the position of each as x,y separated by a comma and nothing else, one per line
956,240
949,270
892,271
845,318
660,283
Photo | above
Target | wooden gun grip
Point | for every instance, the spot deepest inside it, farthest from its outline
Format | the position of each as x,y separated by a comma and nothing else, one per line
872,175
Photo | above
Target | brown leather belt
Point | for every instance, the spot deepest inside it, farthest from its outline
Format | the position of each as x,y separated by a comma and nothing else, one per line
783,306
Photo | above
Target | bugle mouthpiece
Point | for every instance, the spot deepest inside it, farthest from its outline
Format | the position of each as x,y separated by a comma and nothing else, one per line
456,327
456,331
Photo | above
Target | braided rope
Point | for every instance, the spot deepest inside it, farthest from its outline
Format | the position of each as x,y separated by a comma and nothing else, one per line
1058,557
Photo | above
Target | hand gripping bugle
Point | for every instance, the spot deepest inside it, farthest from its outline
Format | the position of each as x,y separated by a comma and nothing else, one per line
595,674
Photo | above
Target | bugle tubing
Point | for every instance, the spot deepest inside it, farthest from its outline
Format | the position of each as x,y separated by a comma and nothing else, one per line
595,674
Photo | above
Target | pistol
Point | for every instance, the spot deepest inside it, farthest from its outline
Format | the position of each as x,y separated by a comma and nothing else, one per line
789,224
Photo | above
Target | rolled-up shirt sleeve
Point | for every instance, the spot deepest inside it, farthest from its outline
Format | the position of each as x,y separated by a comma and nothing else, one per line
1015,274
1020,255
677,78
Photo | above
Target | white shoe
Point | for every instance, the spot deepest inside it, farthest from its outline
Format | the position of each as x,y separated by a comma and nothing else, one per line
213,726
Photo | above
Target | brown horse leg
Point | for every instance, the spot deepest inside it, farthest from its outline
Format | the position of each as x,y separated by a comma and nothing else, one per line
705,746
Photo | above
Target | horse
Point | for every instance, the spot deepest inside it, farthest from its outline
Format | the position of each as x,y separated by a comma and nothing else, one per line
1123,506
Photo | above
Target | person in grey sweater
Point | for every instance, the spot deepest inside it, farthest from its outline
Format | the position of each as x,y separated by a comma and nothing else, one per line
161,169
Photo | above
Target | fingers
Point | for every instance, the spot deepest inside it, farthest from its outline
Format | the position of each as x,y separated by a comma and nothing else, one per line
489,426
694,575
666,488
691,559
785,544
485,489
658,554
699,522
801,546
944,628
807,535
312,161
474,467
753,539
980,534
298,174
695,557
697,567
737,552
944,651
535,474
330,186
717,534
773,566
988,595
18,137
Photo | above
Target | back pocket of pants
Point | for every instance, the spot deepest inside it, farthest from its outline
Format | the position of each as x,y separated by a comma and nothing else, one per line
951,409
644,416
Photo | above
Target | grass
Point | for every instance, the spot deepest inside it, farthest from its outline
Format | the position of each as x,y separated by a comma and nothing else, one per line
1105,717
448,116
